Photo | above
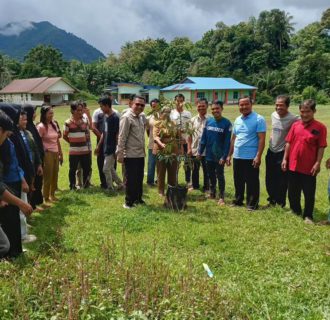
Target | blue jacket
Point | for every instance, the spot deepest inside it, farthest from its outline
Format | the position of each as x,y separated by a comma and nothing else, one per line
216,139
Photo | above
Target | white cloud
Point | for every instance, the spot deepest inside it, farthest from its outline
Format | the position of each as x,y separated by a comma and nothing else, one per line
108,24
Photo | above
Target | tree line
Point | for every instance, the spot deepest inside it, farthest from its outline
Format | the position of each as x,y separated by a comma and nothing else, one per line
264,51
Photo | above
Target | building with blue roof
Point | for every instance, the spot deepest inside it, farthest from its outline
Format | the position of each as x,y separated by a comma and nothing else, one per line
226,89
122,91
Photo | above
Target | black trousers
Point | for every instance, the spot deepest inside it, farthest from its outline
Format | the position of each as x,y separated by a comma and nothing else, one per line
85,163
195,174
134,170
36,197
307,184
246,175
216,172
11,224
100,163
187,170
276,179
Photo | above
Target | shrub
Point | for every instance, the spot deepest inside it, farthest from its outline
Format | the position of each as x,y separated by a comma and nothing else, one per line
309,92
264,98
322,97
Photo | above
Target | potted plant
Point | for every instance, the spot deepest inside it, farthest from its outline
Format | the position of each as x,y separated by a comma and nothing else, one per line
172,152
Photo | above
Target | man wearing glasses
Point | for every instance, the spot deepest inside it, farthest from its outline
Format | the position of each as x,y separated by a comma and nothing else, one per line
131,151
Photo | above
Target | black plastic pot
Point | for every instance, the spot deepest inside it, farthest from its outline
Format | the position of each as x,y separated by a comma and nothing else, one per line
176,197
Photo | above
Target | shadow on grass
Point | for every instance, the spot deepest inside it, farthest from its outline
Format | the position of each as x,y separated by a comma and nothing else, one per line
47,226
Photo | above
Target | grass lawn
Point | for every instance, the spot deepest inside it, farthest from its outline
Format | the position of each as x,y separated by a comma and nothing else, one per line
95,260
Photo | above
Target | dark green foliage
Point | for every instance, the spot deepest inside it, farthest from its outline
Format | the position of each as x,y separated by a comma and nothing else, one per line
262,51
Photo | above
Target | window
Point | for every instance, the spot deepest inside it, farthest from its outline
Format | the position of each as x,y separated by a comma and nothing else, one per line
125,96
235,95
200,95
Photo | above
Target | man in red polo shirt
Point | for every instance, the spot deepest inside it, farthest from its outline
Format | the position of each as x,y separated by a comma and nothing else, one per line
303,154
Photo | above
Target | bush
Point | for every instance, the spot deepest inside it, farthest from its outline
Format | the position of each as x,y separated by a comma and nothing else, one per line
309,92
297,98
84,95
322,97
264,98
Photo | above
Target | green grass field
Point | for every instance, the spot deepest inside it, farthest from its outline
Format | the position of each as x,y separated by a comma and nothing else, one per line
95,260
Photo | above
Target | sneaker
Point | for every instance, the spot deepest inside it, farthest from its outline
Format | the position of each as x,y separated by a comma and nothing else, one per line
221,202
39,209
46,204
29,238
191,189
126,206
308,220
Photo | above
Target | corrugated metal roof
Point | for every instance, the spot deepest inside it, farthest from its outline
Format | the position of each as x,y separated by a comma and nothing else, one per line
33,85
203,83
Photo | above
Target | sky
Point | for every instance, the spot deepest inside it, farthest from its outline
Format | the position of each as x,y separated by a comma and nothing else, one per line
109,24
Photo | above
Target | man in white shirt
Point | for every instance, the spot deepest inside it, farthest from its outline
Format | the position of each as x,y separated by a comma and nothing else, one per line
198,124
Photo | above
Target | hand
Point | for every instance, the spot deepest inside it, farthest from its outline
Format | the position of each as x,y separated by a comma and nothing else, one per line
162,145
32,188
86,111
60,158
222,162
256,162
96,151
189,152
120,158
25,186
3,204
198,157
327,164
40,171
25,208
316,169
228,161
284,165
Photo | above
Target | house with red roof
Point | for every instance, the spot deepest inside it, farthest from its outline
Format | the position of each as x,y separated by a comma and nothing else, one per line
37,91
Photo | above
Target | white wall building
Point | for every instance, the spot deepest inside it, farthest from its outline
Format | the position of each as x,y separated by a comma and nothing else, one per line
37,91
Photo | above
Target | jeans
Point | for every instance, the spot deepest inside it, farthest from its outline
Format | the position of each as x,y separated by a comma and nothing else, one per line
216,172
4,243
276,178
195,174
307,184
23,217
110,171
246,175
151,167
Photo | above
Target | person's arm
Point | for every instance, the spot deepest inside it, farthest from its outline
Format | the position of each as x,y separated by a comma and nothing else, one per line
317,165
231,149
13,200
60,154
66,133
124,128
285,160
261,146
156,133
202,143
327,164
98,147
226,146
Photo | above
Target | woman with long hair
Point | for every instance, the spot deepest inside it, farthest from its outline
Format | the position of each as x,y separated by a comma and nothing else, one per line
50,135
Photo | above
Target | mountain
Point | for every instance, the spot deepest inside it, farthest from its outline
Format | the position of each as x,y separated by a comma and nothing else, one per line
17,38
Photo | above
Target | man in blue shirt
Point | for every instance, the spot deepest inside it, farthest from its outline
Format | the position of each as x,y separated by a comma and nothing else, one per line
247,146
216,140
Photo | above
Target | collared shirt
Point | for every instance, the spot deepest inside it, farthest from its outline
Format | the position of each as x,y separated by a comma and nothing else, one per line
181,119
305,141
280,129
131,136
198,125
246,130
77,132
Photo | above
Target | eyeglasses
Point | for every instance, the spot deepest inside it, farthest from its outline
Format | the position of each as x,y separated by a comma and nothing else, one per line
140,105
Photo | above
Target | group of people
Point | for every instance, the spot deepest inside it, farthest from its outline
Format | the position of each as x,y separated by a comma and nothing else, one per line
30,155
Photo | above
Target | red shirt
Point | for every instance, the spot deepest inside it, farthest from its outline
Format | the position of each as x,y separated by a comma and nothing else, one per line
305,141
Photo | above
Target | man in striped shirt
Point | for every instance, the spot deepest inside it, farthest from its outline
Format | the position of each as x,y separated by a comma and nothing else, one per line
76,133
